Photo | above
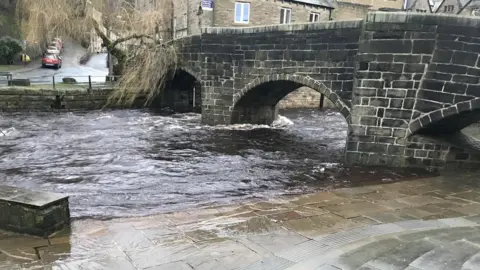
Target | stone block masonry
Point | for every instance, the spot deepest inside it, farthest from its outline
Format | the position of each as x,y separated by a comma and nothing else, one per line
411,70
18,99
33,212
400,79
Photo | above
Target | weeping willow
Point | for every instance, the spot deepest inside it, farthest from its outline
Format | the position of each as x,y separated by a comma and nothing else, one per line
136,38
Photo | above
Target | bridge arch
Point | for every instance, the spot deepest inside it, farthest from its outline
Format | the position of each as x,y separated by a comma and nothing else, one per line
181,93
256,102
447,120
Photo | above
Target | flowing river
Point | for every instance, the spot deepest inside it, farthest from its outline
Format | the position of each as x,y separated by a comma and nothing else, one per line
134,162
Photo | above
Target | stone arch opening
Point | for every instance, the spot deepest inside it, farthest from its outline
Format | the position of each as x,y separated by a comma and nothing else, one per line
448,120
451,125
257,102
181,94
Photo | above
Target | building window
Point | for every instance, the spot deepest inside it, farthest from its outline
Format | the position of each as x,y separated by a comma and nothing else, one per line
448,8
285,15
242,12
476,12
207,4
314,17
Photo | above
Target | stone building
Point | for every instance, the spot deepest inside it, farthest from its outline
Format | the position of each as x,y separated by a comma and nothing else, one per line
459,7
191,15
350,10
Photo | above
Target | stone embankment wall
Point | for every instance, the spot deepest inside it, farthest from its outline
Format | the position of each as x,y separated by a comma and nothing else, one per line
26,99
304,97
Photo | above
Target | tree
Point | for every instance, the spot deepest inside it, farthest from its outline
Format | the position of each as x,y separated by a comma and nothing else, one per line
9,48
137,37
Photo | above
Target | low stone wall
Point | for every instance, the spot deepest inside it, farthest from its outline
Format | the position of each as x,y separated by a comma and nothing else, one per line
26,99
303,97
33,212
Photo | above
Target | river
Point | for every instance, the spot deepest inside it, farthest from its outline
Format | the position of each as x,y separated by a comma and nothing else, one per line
134,162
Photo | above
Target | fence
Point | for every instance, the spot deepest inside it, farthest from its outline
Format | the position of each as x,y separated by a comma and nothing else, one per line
60,82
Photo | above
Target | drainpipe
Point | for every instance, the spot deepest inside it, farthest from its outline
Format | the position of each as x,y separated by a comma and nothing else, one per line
189,31
213,15
330,14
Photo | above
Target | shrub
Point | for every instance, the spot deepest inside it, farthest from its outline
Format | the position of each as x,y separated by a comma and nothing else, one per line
9,47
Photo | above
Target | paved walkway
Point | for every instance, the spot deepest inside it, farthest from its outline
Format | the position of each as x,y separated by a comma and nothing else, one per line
424,224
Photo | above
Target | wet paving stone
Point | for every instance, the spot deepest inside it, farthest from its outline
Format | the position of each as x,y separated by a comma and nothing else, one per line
278,241
355,209
469,195
402,225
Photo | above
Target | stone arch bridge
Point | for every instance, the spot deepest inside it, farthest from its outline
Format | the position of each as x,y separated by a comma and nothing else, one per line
407,84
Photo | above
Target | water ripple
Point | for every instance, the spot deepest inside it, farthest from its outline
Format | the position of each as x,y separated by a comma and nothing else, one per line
124,163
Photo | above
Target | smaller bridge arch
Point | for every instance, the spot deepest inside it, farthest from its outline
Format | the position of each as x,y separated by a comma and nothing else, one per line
256,102
181,92
447,120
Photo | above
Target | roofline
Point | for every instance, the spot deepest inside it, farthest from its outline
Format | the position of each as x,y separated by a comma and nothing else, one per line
354,4
309,4
466,5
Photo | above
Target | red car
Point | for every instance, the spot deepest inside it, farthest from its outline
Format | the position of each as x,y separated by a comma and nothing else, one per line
52,60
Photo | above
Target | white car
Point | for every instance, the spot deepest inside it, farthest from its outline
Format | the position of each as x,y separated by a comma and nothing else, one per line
56,44
52,50
57,39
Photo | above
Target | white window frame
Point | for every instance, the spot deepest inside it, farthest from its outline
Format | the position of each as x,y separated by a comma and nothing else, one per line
315,16
205,7
242,6
283,20
449,8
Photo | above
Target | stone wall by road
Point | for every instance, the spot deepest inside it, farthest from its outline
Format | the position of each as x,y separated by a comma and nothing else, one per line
17,99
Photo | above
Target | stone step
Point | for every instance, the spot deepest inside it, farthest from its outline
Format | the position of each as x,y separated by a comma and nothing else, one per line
472,263
360,256
401,256
447,257
453,236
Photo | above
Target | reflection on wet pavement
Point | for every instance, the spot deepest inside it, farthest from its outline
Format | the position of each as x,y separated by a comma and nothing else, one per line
286,231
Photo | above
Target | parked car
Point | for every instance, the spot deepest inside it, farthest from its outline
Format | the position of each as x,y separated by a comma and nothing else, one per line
57,39
52,50
51,60
56,44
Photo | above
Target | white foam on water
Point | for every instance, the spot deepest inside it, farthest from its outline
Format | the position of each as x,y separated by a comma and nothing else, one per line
7,132
104,116
280,122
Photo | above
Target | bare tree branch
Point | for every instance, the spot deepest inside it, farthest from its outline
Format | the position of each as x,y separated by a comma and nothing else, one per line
124,39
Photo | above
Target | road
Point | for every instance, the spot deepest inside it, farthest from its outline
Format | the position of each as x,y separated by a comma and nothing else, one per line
95,67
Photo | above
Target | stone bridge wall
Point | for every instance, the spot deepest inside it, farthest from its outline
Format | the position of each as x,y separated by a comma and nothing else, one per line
414,71
231,62
406,83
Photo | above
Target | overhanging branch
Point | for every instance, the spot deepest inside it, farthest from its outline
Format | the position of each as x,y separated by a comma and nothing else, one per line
134,36
106,41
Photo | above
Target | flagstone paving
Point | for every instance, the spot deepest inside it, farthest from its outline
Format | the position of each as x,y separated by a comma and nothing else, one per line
431,223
